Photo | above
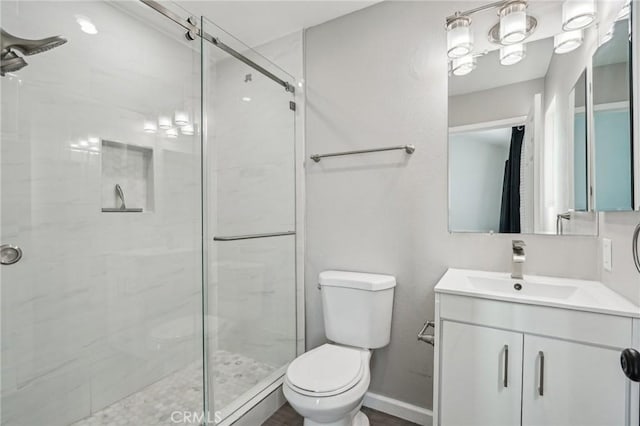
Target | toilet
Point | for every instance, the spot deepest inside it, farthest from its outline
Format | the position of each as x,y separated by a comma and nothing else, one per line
327,384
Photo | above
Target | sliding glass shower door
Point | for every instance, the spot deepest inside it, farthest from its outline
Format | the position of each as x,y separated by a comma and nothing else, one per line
147,217
101,191
252,265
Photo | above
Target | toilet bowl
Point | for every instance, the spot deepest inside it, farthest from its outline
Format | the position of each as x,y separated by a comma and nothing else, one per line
327,385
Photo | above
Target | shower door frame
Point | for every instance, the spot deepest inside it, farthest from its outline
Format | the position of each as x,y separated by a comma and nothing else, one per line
194,30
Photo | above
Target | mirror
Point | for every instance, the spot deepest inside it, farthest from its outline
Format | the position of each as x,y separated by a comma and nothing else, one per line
612,120
580,145
519,148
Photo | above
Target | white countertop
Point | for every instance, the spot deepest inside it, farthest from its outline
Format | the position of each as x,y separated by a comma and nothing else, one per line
566,293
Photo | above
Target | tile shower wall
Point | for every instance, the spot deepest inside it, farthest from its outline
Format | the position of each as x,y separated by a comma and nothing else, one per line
375,78
87,314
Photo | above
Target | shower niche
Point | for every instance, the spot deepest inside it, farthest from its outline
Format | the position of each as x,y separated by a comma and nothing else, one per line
127,178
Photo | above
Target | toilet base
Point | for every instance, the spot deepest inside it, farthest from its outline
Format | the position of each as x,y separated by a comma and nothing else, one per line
360,419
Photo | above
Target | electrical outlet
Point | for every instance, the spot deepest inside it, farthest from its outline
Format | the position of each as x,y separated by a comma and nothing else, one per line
606,255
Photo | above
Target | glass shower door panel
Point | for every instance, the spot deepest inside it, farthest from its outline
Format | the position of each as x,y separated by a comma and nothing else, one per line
252,191
101,318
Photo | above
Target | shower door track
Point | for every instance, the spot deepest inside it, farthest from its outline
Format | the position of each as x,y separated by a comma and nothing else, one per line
187,25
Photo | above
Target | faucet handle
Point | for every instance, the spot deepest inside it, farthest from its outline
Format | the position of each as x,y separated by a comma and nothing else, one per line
517,244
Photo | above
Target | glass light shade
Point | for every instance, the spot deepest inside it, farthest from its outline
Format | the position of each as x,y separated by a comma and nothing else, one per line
150,127
567,41
459,37
187,130
578,14
172,133
463,66
512,54
164,122
181,118
513,22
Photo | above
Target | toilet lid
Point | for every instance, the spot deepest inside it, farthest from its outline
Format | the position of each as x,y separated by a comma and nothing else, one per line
328,369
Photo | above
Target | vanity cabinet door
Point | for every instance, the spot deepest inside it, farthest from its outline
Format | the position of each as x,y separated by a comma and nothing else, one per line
567,383
480,376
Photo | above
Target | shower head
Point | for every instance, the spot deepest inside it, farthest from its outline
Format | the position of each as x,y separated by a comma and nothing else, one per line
11,62
28,47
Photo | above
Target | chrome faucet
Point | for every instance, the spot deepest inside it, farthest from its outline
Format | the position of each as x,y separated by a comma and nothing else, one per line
518,259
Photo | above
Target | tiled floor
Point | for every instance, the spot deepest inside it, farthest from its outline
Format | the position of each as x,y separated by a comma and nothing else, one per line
286,416
182,391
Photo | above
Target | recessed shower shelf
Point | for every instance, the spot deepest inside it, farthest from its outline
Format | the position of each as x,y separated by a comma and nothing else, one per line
127,170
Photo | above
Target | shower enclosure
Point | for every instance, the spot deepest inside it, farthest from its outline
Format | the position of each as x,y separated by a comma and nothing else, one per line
148,179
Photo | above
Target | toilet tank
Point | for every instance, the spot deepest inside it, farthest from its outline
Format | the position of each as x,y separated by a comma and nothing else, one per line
357,308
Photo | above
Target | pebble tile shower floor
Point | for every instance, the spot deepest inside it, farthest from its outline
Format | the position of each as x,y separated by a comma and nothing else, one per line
233,375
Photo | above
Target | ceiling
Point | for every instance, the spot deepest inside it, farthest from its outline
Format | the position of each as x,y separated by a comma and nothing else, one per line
257,22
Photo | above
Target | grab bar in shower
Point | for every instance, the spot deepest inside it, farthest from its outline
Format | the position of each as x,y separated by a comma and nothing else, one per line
252,236
409,149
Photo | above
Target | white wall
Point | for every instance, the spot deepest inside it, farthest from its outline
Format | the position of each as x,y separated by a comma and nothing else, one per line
375,78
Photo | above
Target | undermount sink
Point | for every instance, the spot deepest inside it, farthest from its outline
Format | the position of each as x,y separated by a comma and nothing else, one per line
584,295
522,287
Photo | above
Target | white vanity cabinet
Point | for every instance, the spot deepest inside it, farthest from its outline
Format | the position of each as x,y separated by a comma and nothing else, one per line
509,361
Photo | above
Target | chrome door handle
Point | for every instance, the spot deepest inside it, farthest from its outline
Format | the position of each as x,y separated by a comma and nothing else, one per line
10,254
541,382
505,379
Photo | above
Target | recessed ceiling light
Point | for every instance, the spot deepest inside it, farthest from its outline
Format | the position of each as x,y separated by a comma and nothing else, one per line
246,99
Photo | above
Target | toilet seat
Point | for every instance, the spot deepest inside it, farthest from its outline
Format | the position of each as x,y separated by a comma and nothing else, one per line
326,371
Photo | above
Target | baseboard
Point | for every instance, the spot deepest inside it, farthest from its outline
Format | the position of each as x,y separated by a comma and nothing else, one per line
400,409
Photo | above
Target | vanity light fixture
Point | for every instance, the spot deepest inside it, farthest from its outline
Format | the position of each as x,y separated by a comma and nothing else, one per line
150,127
513,22
459,36
578,14
187,130
172,133
164,122
463,66
512,54
567,41
181,118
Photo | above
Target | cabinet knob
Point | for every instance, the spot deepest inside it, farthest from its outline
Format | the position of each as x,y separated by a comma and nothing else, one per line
630,362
